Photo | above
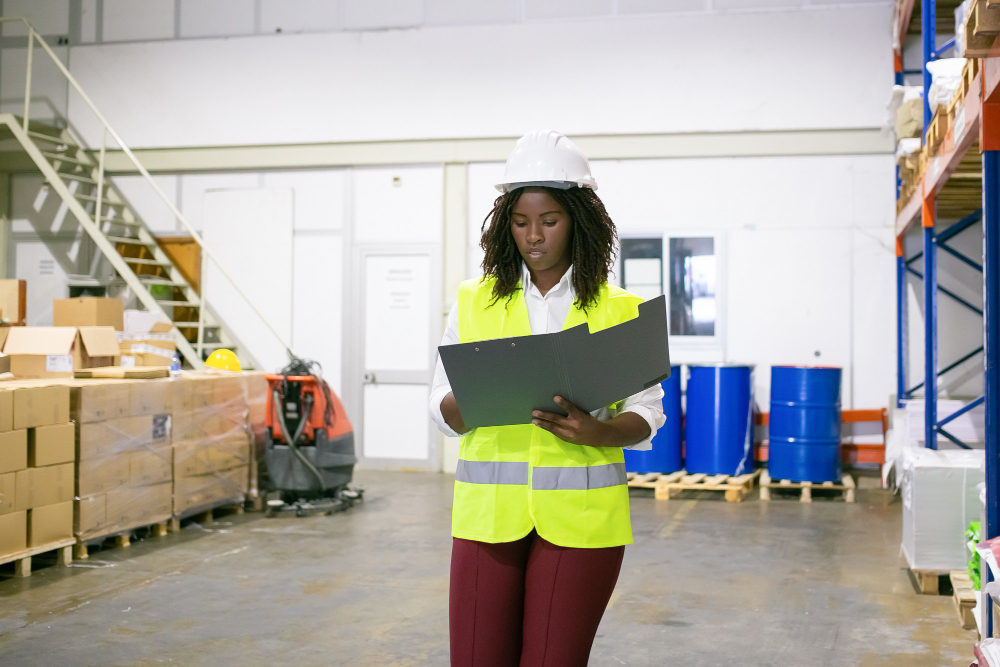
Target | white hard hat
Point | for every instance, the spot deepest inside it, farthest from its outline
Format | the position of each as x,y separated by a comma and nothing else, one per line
547,158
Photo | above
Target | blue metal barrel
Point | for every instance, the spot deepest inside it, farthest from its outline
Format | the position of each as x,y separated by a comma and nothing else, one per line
804,429
719,420
665,456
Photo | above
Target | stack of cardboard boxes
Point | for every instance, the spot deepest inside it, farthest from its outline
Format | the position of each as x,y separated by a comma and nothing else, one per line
124,472
211,441
36,466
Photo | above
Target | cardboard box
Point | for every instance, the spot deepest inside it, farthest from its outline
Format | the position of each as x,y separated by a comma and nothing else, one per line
98,400
8,492
50,523
50,445
88,312
114,436
6,409
192,458
56,352
13,533
4,363
150,397
35,487
40,405
91,516
136,506
151,466
102,474
183,395
192,493
13,451
14,300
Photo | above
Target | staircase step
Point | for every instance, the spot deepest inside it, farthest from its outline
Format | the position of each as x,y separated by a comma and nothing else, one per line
51,139
148,262
185,304
156,280
59,157
82,179
104,201
119,221
131,241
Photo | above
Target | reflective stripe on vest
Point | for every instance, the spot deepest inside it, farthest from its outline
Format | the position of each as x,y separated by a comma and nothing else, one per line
578,478
492,472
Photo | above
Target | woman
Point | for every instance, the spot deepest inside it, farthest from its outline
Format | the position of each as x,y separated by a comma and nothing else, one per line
541,515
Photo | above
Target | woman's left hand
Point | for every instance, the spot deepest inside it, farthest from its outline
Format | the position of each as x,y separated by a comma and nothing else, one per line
582,428
577,427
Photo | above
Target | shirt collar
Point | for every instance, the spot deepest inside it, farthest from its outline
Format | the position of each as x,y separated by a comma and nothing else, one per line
566,282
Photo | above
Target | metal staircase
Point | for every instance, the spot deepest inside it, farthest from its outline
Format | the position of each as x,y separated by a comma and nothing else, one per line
76,173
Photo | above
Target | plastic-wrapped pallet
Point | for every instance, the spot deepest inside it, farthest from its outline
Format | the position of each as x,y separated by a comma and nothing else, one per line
906,111
939,500
211,441
123,454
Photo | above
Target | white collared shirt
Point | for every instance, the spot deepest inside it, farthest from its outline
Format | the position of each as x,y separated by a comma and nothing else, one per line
547,313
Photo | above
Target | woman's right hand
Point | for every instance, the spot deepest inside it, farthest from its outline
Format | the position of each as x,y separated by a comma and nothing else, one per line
449,410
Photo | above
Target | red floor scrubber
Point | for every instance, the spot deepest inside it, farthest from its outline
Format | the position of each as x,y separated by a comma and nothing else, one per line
310,444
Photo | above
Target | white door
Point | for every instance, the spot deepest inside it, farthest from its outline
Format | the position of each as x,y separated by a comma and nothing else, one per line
399,313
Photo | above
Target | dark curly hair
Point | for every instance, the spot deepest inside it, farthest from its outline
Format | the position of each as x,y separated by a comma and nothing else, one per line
592,247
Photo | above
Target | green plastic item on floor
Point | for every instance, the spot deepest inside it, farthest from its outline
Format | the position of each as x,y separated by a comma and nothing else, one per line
972,536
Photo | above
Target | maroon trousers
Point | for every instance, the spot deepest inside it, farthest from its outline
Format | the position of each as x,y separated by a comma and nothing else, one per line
527,603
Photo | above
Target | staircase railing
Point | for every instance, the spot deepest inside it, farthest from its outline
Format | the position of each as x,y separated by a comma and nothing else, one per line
207,254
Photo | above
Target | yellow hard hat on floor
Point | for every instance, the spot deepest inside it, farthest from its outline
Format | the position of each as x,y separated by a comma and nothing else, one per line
223,360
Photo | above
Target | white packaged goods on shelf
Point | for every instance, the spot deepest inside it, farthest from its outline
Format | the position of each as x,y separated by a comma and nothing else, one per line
946,77
970,428
961,13
906,111
939,500
907,147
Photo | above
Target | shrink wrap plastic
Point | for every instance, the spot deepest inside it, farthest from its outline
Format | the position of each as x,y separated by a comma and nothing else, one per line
940,498
152,449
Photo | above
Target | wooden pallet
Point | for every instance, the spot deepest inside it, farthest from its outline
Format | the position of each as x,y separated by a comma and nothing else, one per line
122,539
928,582
204,515
847,486
651,480
736,488
964,596
22,559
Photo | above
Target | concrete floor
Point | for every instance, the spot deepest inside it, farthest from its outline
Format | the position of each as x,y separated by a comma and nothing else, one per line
706,583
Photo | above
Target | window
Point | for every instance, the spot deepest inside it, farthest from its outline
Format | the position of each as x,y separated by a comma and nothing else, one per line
693,272
642,266
689,269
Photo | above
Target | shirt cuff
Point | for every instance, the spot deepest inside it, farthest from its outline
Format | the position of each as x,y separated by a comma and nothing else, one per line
655,421
437,416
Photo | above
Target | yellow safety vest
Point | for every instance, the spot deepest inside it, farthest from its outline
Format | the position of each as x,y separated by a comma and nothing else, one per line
512,479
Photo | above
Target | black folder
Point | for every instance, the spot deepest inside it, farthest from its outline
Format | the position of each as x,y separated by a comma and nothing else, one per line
499,382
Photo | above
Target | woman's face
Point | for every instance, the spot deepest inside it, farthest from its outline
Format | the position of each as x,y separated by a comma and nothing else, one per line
542,230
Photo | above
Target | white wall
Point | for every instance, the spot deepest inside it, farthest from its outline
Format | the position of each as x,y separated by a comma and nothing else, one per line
783,70
805,272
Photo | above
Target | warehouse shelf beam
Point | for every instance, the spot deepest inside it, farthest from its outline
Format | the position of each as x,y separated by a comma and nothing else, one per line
991,321
947,46
960,256
961,225
928,29
950,367
945,290
961,411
